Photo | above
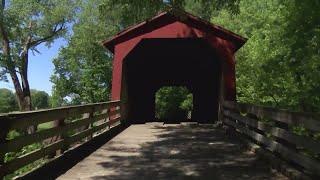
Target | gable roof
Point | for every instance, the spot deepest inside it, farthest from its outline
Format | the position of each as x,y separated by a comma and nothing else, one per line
170,16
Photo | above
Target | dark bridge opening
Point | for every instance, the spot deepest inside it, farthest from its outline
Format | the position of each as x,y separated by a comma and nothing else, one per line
158,62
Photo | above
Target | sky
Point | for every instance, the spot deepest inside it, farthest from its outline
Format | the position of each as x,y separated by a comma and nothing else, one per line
40,67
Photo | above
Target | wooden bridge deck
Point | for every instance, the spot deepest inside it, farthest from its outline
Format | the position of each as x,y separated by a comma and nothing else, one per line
157,151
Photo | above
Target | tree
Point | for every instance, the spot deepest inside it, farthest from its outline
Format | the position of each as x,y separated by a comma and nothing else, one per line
144,9
25,24
83,69
8,102
279,65
40,99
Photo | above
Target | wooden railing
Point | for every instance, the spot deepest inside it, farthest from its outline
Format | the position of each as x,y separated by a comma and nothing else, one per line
69,127
293,136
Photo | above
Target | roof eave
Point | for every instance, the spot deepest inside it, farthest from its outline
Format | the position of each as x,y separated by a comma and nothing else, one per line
238,40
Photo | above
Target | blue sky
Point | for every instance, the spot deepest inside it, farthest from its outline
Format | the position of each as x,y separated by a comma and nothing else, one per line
40,67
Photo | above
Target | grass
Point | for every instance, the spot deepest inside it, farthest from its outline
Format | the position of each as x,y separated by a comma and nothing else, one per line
44,126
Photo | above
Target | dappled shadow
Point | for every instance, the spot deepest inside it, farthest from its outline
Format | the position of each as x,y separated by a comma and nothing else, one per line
156,151
61,164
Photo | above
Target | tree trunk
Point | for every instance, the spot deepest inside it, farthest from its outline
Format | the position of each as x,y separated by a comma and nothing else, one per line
25,101
25,83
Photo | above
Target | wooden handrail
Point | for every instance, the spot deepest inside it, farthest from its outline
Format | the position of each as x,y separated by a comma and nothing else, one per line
272,128
22,120
102,117
308,120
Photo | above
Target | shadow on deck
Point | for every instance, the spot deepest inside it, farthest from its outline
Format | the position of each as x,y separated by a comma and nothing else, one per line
157,151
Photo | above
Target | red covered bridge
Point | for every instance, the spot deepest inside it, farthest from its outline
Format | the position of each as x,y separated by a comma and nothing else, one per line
174,48
107,140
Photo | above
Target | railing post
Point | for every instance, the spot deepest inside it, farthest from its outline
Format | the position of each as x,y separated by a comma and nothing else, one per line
60,123
221,99
229,130
220,113
123,112
106,111
91,118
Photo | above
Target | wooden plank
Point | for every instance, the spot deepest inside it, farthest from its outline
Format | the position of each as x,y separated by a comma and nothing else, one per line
304,161
107,105
101,126
106,115
251,122
308,120
106,124
115,122
112,121
100,117
19,142
26,159
81,135
114,112
301,141
230,105
22,120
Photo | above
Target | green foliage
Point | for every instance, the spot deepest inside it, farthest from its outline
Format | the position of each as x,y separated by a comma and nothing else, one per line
145,9
40,99
187,103
280,63
300,130
12,134
173,102
8,102
83,69
25,150
129,12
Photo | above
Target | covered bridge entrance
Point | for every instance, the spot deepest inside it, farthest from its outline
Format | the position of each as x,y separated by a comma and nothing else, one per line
173,48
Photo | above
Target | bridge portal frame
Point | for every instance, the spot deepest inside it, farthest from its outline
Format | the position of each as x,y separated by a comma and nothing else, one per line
174,24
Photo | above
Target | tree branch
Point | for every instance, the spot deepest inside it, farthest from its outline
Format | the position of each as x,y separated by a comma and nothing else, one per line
27,41
53,33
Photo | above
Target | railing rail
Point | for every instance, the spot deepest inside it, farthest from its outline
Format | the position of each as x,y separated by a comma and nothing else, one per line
278,131
74,124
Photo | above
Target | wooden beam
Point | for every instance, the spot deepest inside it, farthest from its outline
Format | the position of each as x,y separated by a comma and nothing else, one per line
310,121
306,162
22,120
305,142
